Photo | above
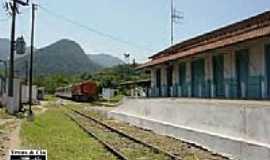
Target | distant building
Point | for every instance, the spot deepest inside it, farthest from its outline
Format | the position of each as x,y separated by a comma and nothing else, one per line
108,93
137,88
230,62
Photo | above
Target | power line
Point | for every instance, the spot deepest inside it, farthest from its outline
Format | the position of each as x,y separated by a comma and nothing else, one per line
4,20
100,33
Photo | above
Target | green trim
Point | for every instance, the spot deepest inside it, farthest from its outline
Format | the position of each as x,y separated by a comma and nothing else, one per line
255,87
232,87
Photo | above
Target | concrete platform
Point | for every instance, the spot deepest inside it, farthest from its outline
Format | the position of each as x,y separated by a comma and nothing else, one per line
234,128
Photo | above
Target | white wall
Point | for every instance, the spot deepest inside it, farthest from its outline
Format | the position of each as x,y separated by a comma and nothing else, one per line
13,103
25,94
240,129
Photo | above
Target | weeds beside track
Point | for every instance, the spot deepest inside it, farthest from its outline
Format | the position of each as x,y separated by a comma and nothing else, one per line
122,145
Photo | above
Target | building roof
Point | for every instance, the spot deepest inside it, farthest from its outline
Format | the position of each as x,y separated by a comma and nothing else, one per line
251,28
143,81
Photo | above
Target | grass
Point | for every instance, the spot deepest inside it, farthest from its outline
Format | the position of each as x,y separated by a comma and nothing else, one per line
2,113
2,127
169,144
117,98
109,103
50,98
63,139
126,146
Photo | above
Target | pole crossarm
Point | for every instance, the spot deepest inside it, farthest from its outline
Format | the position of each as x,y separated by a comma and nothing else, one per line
22,2
175,18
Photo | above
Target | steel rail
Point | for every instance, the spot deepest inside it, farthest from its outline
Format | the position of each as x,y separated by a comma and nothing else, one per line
154,148
110,148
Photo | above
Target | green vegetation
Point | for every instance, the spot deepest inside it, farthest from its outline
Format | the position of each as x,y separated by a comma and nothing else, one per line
3,114
109,77
114,101
112,77
54,81
63,139
169,144
129,148
50,98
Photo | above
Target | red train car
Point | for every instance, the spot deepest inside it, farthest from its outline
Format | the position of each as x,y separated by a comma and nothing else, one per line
84,91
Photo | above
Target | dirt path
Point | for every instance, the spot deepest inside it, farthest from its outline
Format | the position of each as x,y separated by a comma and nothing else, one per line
9,137
10,132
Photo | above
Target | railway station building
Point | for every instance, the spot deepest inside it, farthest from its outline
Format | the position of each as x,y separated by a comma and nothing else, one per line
232,62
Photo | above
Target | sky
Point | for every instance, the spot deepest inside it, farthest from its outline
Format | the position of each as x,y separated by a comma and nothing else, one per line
138,27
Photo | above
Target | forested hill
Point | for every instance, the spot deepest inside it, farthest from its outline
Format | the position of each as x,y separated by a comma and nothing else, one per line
105,60
62,57
4,48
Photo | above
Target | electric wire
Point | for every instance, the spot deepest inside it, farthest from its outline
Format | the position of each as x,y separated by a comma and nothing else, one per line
100,33
4,20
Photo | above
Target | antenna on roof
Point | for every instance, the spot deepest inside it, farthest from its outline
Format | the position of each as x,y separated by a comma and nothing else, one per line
176,16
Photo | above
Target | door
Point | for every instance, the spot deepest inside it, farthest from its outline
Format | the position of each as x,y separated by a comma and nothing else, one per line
169,81
182,79
267,62
242,61
158,82
197,77
218,76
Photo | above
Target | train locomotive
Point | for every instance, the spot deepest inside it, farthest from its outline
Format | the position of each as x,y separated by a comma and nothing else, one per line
84,91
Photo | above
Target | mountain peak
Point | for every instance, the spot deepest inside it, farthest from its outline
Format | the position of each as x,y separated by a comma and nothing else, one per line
65,43
105,60
65,40
62,57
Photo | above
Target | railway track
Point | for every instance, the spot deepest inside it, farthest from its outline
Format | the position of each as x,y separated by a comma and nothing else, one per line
119,144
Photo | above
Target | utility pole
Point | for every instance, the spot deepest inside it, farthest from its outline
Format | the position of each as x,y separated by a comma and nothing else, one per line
31,58
174,18
172,25
12,49
14,11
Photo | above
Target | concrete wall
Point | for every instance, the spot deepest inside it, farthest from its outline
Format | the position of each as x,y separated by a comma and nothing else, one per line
25,94
238,129
13,103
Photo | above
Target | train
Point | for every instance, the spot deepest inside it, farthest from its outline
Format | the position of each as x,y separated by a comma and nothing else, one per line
84,91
